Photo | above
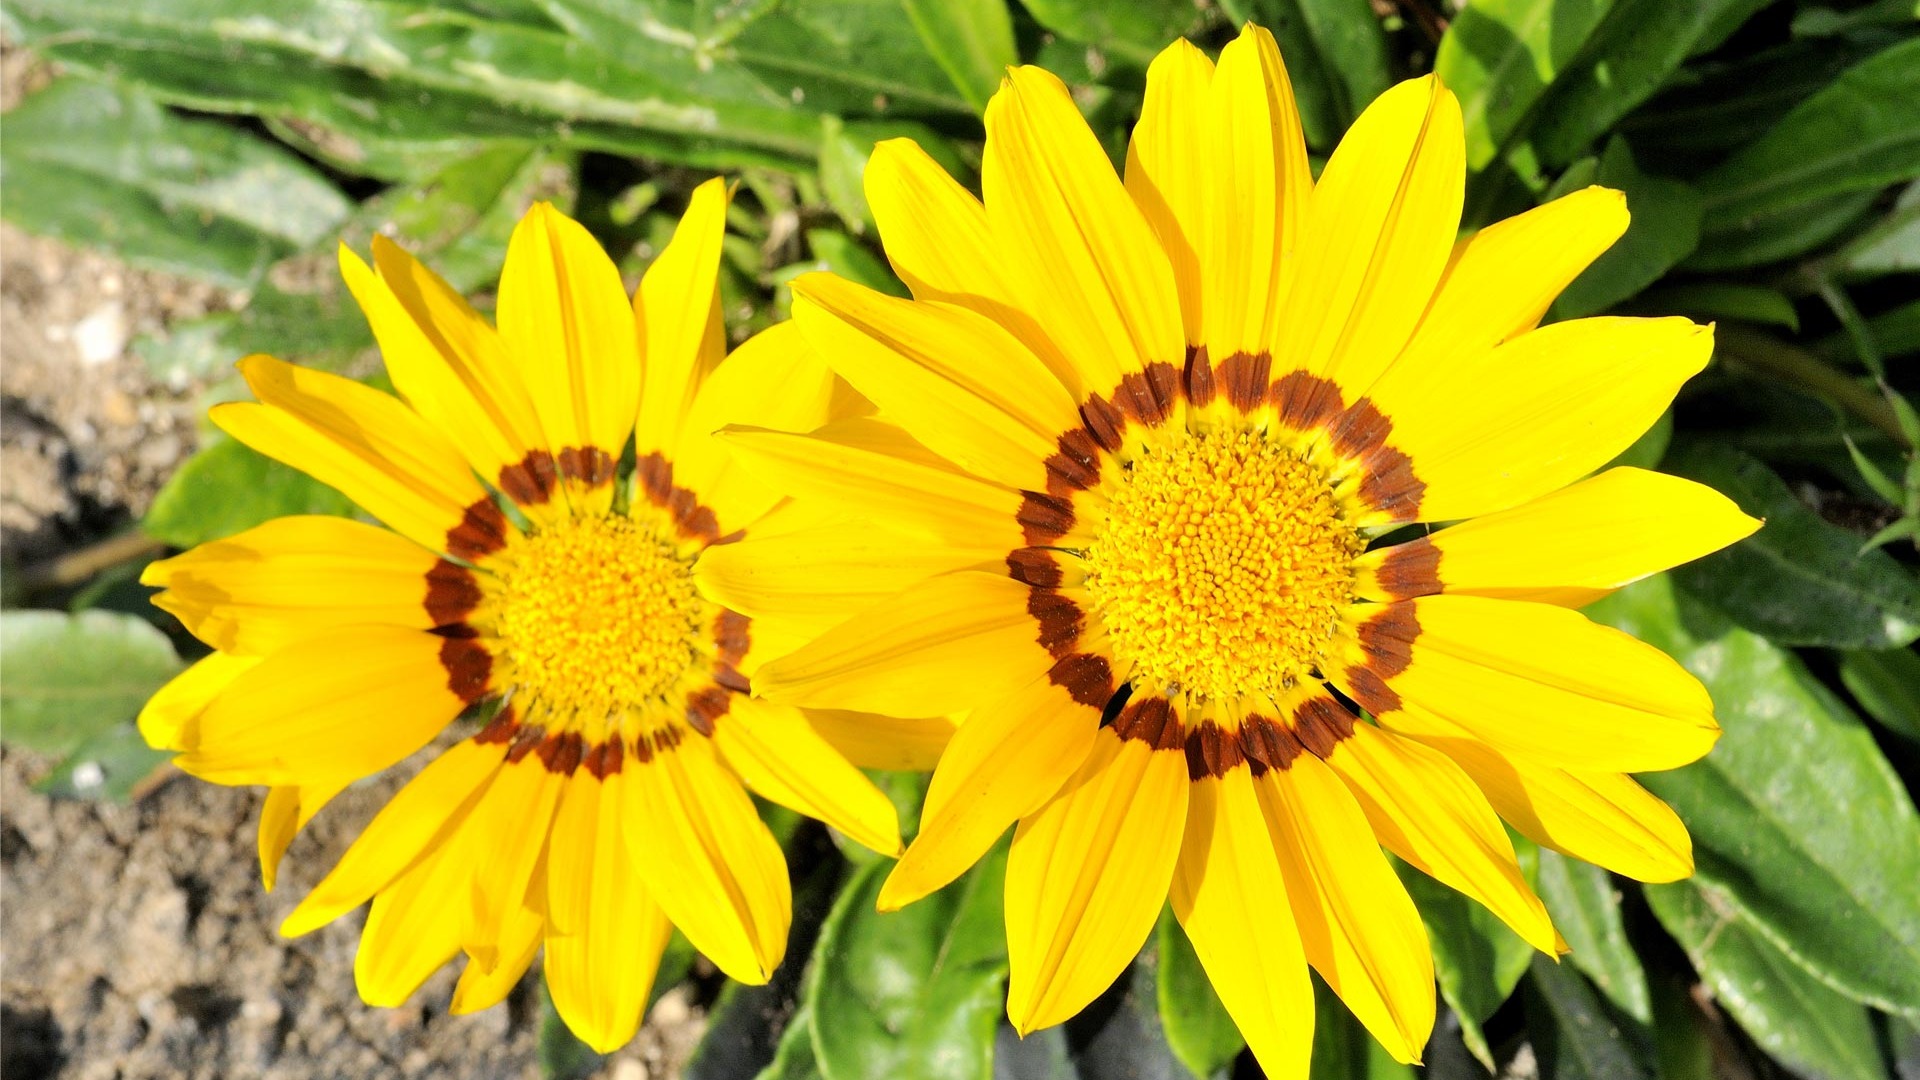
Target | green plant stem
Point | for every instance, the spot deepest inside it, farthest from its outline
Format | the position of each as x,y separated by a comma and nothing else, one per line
1746,346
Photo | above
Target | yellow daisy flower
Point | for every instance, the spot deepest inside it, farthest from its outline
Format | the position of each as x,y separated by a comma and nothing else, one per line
531,580
1135,499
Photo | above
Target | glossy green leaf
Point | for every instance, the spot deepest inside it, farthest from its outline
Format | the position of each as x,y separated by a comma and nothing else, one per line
1886,683
1760,239
1499,57
227,488
1664,230
1343,1049
1795,815
96,165
1793,1016
1198,1028
918,991
115,765
1585,905
1860,133
1571,1031
1634,52
1890,247
1336,57
1683,1037
793,1058
971,39
71,677
1799,580
1477,960
1134,31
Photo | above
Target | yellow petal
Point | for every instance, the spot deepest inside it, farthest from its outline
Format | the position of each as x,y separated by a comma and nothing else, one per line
600,973
1224,893
1007,760
1167,167
1077,248
678,312
291,578
781,757
1257,195
408,935
707,858
945,645
430,382
1496,428
961,384
167,719
1359,927
772,381
874,741
483,986
1087,877
1570,547
871,469
339,706
1544,681
1604,818
1502,278
378,452
465,341
934,231
515,818
812,580
564,317
1426,810
1377,235
287,810
423,814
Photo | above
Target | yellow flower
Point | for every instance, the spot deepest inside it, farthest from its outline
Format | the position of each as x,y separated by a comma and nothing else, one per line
528,574
1137,503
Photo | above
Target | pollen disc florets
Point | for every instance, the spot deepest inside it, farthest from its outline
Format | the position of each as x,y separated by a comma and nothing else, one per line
598,615
1222,566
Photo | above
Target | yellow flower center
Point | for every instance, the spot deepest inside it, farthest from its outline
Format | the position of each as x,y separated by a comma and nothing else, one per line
597,615
1222,567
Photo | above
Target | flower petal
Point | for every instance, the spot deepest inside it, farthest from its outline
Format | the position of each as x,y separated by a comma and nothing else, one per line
777,752
167,719
1087,877
874,741
1008,759
1167,168
287,810
408,935
678,312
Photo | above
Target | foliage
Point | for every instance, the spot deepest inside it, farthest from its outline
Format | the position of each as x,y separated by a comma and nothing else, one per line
1770,151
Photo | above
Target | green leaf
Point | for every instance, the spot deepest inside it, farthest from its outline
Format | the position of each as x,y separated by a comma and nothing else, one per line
1336,56
1795,815
1860,133
915,991
1585,905
1198,1028
1134,31
1707,300
1779,235
71,677
1343,1049
971,39
842,254
1792,1015
1499,57
115,765
1799,580
96,165
793,1057
1891,247
1633,53
1895,333
1664,230
1886,683
844,150
227,488
322,329
1477,960
1573,1034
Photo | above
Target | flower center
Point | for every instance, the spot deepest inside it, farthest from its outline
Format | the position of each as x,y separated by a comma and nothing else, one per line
1222,567
598,615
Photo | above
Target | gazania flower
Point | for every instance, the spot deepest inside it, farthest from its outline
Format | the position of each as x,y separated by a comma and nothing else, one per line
1139,503
528,579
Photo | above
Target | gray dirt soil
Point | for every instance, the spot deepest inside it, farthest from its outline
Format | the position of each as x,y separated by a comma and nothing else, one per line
138,942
